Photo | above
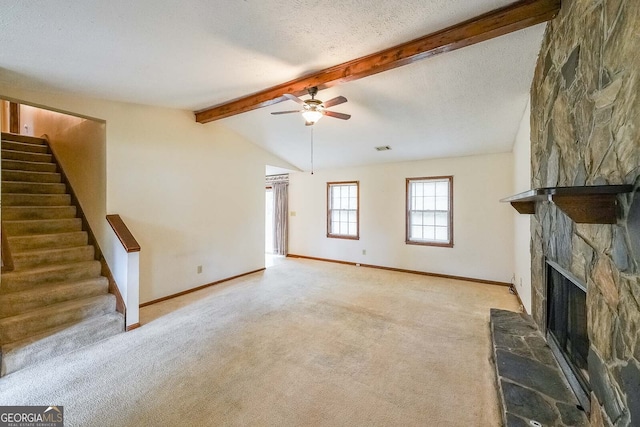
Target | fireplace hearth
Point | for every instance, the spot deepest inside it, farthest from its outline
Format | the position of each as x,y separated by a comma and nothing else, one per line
532,387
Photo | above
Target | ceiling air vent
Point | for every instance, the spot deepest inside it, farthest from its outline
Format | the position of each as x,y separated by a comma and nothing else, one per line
383,148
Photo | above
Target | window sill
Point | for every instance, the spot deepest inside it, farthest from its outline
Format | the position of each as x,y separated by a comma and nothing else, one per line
337,236
437,244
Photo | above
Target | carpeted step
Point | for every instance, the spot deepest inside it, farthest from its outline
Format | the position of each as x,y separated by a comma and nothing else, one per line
28,166
42,226
52,343
47,241
25,139
40,258
33,187
26,176
24,325
21,146
26,156
15,303
17,199
15,281
37,212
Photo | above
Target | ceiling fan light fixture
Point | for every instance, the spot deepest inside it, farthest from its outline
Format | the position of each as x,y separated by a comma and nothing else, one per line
313,109
312,116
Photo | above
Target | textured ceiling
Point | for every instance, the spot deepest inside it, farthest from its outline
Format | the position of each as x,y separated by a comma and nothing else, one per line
196,53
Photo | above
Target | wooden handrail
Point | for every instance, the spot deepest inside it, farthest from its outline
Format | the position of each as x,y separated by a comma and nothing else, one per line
7,259
124,235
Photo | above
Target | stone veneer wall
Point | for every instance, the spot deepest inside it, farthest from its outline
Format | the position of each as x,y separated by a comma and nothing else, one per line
585,130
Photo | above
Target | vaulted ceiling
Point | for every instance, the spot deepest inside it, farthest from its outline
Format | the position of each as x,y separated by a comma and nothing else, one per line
196,53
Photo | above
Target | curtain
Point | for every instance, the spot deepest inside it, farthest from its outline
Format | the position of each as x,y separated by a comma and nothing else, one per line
280,211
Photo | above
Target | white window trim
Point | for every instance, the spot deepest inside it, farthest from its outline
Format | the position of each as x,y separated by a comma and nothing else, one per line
440,243
329,210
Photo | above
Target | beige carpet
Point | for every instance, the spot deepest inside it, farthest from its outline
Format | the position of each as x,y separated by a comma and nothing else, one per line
304,343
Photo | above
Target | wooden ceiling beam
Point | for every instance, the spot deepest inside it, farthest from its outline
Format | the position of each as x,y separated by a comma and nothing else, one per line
514,17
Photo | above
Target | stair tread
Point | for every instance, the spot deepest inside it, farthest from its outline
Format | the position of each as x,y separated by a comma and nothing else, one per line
53,309
45,287
29,227
24,147
60,340
97,320
31,182
35,236
36,194
46,157
31,221
33,252
17,149
27,161
24,213
24,325
26,139
68,239
31,172
35,207
51,293
30,176
36,199
25,260
49,268
34,184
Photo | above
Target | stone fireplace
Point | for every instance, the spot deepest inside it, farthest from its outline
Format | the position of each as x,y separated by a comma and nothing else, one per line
585,130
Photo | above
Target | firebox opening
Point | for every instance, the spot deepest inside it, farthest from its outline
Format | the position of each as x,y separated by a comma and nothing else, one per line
567,328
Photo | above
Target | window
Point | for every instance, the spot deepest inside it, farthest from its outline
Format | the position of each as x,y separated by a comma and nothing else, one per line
342,210
430,211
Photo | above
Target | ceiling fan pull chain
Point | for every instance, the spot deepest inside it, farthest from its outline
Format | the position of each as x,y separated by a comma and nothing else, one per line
311,150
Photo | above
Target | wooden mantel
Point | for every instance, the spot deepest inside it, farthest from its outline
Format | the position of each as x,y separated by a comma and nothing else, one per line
591,204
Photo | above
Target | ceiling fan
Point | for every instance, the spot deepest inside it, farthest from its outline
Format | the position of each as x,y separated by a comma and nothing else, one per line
313,109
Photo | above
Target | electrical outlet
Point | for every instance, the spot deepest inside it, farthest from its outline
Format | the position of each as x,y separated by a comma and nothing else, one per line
293,213
364,252
199,269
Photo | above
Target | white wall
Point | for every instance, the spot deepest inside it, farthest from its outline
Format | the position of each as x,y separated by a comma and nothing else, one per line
191,194
80,146
522,230
483,227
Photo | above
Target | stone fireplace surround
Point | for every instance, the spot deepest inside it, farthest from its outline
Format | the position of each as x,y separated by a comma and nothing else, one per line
585,130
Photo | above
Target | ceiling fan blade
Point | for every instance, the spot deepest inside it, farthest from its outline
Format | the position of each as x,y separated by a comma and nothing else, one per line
335,101
341,116
287,112
293,98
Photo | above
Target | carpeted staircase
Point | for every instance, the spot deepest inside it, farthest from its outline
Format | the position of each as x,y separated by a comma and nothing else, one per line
55,299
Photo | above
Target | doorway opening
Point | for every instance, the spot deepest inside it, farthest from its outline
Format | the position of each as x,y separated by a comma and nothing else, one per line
276,212
268,224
